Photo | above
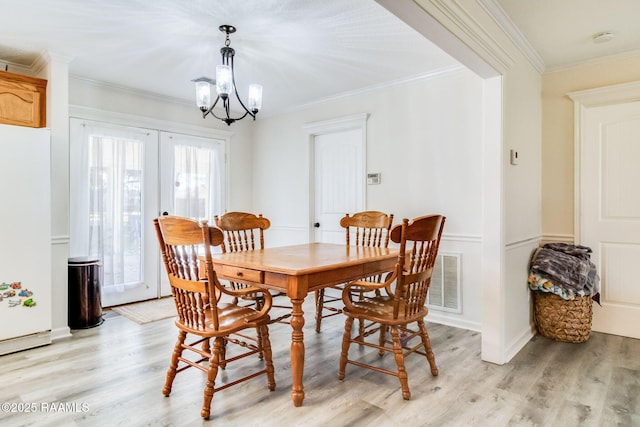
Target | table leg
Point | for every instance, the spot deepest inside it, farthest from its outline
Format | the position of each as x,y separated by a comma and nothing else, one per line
297,352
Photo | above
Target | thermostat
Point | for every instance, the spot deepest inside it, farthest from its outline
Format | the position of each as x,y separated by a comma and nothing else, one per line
373,178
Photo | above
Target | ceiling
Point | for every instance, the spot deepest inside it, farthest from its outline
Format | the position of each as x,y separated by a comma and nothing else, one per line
301,51
561,31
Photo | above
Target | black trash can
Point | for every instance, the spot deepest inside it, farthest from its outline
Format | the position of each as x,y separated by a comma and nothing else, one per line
85,303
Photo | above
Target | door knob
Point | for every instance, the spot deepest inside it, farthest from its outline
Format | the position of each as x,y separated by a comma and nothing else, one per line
316,224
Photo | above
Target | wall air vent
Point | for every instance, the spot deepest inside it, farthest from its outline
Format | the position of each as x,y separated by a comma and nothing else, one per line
444,292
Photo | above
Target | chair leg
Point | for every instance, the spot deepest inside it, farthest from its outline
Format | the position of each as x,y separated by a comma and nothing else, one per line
399,356
383,339
266,351
260,342
319,297
346,342
223,356
212,372
426,342
361,328
173,366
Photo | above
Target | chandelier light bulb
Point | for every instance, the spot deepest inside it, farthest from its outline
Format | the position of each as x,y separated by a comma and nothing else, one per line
203,94
254,99
224,80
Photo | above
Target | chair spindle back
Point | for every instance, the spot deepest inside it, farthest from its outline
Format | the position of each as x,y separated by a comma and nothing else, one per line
182,241
240,230
419,241
369,228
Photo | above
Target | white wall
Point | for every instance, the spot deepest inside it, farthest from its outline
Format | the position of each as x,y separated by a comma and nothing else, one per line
522,188
424,137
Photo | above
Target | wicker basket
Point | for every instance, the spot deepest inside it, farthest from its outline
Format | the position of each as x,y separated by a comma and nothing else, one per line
562,320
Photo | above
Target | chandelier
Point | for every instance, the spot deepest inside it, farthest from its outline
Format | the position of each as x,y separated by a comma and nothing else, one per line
225,84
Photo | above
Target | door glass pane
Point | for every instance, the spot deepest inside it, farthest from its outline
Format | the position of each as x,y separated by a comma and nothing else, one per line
192,176
115,208
196,192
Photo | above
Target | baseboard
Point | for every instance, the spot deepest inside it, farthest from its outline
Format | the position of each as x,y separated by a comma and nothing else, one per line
25,342
519,343
60,333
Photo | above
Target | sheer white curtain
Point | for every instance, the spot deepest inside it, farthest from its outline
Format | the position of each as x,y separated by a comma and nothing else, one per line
197,170
106,198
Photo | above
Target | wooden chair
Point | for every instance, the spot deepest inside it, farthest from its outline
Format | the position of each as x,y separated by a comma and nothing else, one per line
369,228
202,313
245,232
403,303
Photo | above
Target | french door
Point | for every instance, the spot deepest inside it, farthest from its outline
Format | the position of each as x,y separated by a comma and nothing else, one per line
193,180
118,177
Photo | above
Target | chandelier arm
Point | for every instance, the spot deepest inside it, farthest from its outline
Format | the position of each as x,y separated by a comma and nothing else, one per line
225,107
235,89
226,104
228,118
243,106
210,110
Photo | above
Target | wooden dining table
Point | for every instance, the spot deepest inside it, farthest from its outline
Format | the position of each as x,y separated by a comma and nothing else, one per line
299,270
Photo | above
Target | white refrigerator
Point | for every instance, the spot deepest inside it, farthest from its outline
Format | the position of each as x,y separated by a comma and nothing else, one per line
25,238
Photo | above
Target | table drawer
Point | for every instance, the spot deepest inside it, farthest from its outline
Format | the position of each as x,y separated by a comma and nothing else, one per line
242,274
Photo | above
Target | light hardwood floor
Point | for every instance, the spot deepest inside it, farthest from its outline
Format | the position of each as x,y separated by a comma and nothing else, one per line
117,371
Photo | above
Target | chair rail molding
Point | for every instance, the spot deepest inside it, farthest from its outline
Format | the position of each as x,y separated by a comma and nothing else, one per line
60,240
558,238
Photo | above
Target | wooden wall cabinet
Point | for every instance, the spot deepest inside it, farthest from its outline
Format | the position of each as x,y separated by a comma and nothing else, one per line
22,100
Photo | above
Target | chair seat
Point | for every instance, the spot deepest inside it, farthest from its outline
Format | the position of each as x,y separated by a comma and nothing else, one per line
380,310
231,319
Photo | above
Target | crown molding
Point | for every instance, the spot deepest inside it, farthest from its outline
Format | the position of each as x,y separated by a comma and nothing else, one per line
503,20
475,35
594,61
46,57
12,67
369,89
130,91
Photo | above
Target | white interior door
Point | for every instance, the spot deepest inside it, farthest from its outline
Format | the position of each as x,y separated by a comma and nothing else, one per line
192,180
339,181
610,212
